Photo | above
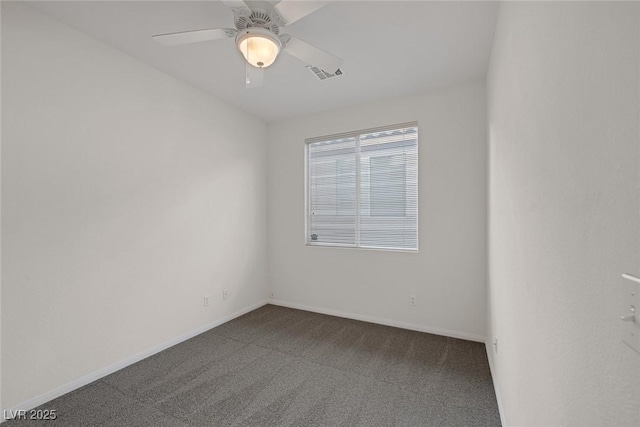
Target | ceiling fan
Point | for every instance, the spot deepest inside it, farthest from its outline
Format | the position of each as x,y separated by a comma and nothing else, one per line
258,38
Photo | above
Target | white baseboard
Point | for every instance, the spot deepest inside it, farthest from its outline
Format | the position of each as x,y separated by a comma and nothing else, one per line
380,321
488,347
81,382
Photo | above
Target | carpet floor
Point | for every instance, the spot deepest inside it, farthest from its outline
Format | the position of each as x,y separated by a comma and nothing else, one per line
278,366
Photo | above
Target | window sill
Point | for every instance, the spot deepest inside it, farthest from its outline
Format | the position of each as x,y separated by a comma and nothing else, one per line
364,248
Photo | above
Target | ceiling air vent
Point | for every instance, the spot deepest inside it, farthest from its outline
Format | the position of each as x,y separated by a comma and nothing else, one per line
322,74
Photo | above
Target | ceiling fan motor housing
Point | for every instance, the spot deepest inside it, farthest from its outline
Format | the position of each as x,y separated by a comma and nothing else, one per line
258,18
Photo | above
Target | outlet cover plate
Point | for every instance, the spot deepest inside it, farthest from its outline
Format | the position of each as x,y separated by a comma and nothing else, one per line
632,329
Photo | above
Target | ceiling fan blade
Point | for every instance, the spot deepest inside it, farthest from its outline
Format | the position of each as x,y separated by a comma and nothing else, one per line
238,7
184,37
292,10
254,76
312,55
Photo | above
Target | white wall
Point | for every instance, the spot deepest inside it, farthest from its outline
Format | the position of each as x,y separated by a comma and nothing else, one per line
563,109
127,197
448,275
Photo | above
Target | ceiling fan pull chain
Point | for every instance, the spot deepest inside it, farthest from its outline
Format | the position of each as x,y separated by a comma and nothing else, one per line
247,78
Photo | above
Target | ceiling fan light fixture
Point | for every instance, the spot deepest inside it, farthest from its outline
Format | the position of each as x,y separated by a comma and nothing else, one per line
259,46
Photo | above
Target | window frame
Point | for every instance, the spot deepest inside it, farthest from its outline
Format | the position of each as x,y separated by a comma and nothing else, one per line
307,179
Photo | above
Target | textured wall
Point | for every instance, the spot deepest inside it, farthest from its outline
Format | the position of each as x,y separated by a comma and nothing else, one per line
448,274
563,96
126,197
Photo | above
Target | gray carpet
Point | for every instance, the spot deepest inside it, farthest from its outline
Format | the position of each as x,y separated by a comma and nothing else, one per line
277,366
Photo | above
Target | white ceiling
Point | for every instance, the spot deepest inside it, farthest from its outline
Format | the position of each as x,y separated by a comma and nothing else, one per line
389,48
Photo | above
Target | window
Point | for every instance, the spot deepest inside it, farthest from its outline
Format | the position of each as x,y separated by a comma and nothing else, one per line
362,189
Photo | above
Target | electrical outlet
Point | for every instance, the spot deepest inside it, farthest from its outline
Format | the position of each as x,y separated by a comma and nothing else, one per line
225,294
206,300
495,345
412,300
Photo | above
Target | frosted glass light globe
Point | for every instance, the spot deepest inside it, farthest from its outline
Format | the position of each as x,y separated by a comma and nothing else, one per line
259,47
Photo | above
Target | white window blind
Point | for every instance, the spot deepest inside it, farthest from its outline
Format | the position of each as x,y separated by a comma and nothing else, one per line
363,188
